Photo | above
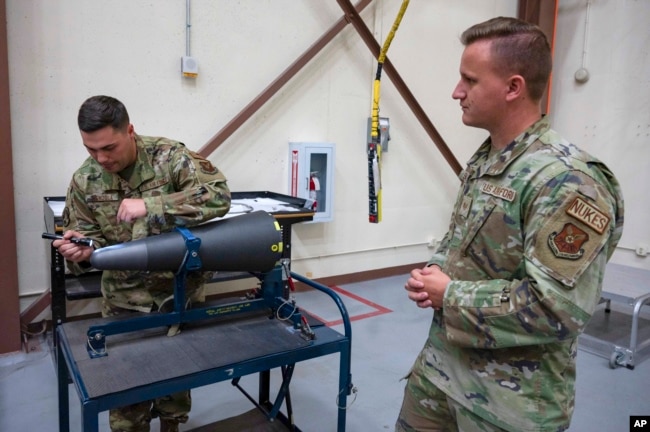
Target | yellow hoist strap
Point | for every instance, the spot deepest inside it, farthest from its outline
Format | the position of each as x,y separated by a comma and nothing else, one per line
374,146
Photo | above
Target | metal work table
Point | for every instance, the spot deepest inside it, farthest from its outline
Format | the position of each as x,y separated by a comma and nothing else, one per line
120,361
609,331
148,364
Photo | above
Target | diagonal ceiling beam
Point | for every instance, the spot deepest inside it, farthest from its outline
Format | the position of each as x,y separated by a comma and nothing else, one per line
353,16
276,85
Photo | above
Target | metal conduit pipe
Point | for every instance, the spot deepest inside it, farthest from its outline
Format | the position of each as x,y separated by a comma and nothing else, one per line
188,26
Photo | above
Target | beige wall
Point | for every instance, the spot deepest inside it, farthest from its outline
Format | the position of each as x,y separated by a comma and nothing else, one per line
62,51
609,115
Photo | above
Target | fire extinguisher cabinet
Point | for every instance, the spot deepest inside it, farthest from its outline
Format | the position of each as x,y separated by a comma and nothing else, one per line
311,176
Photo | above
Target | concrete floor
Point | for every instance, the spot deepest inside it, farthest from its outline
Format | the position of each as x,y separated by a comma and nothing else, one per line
387,333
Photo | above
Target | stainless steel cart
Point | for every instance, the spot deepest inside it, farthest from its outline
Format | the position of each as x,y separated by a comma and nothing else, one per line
610,330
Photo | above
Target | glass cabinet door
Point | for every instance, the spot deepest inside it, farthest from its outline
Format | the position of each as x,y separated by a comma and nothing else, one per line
311,176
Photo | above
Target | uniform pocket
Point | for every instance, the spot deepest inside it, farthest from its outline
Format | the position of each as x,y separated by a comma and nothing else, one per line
495,241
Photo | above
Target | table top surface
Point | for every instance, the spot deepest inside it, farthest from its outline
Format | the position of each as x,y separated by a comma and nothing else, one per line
630,283
145,357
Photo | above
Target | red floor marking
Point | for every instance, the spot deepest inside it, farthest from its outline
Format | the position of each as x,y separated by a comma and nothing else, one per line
379,310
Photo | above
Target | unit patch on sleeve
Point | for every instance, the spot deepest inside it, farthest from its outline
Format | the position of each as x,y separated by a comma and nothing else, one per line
570,238
588,214
204,164
568,242
207,167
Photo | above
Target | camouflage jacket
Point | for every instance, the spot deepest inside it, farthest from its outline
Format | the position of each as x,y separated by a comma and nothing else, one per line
531,232
179,188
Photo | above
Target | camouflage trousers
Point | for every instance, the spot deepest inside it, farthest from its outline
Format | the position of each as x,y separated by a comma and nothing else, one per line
427,409
171,410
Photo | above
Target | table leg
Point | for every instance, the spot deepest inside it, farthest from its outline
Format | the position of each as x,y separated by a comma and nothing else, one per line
89,417
62,380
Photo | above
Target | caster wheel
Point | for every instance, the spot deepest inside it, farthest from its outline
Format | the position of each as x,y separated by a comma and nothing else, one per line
614,359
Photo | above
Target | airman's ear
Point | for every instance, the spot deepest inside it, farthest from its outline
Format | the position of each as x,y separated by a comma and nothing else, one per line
516,87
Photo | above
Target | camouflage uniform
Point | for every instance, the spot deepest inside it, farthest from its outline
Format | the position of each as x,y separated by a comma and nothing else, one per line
531,232
179,188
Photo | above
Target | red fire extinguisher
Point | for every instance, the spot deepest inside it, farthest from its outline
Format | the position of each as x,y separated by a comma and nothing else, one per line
314,187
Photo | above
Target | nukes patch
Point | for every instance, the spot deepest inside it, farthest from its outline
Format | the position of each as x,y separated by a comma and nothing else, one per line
571,237
588,214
